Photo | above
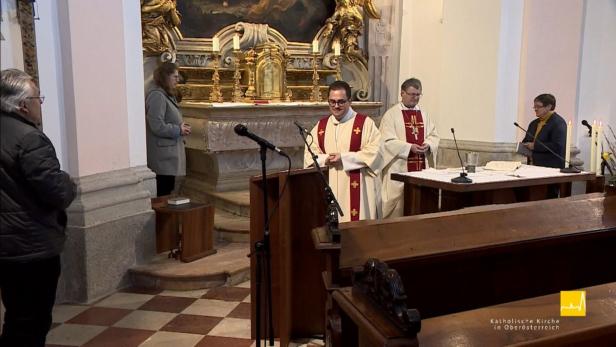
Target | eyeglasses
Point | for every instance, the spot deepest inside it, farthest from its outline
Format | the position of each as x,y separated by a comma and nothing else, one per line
535,107
340,102
415,95
41,98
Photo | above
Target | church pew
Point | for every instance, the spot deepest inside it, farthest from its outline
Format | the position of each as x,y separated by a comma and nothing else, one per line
529,322
487,256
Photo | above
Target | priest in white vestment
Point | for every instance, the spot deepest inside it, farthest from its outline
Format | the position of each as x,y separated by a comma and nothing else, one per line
409,138
350,145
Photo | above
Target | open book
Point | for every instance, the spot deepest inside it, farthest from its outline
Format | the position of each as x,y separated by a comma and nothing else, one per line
502,165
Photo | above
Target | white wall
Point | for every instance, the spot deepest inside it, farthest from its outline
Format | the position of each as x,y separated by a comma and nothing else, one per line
466,54
508,71
94,70
11,53
135,106
597,80
51,78
551,48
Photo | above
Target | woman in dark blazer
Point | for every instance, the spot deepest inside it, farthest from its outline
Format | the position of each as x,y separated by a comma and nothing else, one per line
165,129
550,129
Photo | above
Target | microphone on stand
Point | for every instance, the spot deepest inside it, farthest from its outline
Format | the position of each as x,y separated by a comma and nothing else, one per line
241,130
568,169
301,128
585,123
463,176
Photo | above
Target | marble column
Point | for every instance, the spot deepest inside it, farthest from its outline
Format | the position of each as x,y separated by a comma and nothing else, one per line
94,114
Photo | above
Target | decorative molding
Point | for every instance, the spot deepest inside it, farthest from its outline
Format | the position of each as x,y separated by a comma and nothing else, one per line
385,289
109,196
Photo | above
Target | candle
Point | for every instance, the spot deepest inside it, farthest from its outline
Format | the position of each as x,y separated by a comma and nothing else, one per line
337,48
215,44
568,145
315,46
598,149
593,137
236,42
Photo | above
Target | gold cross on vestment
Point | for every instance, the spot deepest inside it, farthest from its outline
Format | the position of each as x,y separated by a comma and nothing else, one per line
354,212
354,184
321,132
357,131
413,125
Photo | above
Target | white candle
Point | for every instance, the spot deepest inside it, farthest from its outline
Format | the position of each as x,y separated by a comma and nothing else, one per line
215,44
593,136
568,145
315,46
598,151
337,49
236,42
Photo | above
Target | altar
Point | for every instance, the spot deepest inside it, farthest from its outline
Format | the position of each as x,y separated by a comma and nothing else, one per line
220,160
431,190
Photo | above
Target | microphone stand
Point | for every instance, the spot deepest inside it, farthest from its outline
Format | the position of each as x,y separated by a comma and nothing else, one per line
568,169
463,178
333,207
263,255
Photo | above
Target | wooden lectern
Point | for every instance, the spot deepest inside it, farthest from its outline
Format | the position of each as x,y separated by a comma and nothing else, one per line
297,289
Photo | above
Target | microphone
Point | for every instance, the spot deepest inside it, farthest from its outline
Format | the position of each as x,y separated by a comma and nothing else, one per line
463,176
241,130
585,123
568,169
301,128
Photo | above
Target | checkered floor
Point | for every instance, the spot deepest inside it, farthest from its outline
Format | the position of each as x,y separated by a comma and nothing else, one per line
131,318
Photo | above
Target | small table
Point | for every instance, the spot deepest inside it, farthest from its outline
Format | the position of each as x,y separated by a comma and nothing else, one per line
186,230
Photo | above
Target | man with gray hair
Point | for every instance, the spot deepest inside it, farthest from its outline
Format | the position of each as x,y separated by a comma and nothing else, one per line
34,194
409,140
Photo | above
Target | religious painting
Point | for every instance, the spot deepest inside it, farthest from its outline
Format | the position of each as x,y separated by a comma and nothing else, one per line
297,20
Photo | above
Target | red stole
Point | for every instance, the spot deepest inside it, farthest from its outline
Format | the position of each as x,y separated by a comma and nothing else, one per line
355,146
414,128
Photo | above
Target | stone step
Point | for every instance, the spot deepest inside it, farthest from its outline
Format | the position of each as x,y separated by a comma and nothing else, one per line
229,266
235,202
230,227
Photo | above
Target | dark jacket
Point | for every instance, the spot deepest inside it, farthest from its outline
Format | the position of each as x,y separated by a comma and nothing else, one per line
34,193
554,136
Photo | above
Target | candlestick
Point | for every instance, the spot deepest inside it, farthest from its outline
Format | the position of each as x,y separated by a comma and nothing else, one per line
315,46
593,137
216,94
215,44
236,42
598,151
237,76
568,145
315,96
250,63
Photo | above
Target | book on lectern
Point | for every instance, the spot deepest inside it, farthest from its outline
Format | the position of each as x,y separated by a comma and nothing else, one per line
178,201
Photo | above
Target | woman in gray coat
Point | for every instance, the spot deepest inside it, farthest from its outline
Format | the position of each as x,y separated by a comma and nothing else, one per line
165,129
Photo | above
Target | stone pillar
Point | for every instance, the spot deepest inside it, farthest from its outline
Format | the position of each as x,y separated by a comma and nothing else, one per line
94,77
384,53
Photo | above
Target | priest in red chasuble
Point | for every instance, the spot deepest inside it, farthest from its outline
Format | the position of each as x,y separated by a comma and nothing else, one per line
409,138
349,143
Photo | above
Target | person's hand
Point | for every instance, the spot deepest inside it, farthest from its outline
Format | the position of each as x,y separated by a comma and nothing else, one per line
185,129
333,159
420,149
529,145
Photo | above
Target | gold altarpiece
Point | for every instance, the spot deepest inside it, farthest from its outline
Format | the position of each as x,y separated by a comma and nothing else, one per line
267,84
